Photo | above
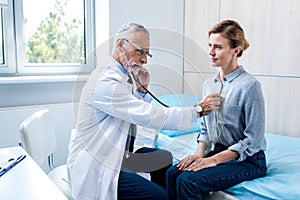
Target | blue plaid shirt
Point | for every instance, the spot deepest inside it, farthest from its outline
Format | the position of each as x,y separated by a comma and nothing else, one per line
240,121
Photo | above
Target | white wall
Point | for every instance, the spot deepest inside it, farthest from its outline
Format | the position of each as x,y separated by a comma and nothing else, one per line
21,98
63,120
165,20
272,28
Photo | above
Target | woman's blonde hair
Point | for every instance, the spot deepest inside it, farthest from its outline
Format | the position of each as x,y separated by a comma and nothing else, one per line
233,32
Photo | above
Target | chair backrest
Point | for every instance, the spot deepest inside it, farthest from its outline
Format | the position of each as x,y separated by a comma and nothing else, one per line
38,135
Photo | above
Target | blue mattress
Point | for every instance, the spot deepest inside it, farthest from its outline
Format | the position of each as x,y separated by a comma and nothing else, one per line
283,160
283,176
179,100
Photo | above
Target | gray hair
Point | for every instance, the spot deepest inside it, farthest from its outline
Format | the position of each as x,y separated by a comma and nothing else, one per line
127,31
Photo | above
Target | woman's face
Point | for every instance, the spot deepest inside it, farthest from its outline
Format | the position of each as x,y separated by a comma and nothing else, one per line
220,52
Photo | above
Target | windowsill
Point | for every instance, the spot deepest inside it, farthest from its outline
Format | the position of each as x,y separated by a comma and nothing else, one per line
43,79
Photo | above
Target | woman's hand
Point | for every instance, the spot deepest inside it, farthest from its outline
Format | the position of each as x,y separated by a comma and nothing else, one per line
201,163
185,162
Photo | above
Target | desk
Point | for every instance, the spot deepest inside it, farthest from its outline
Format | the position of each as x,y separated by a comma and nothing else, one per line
26,180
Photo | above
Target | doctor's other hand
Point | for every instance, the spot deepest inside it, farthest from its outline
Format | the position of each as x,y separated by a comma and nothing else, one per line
211,103
144,79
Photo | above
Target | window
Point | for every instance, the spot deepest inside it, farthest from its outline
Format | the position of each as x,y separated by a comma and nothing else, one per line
7,45
53,36
1,40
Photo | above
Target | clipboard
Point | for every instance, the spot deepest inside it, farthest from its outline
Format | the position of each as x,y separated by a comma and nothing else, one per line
10,164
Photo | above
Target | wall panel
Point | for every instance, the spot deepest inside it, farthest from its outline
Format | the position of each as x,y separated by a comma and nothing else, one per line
165,21
199,16
272,28
193,82
282,105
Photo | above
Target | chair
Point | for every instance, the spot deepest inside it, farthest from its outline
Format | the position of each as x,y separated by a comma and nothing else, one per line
39,140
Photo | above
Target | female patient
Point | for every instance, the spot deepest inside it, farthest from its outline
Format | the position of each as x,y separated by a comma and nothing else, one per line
235,131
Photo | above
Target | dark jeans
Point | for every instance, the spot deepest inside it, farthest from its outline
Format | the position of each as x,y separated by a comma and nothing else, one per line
133,186
183,185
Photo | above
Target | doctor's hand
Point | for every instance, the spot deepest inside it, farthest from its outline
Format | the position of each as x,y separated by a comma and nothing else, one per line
210,103
144,79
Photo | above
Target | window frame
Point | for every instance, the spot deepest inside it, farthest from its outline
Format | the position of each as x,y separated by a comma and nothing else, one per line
24,68
9,65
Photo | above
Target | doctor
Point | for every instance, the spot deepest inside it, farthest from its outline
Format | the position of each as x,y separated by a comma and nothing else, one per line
100,162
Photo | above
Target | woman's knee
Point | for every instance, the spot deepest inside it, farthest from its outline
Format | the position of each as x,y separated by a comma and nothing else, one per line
187,179
172,172
172,177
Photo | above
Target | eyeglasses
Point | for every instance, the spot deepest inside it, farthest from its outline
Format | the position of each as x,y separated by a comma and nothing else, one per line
139,49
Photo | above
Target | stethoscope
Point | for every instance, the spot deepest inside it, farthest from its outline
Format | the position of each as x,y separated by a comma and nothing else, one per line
136,79
152,95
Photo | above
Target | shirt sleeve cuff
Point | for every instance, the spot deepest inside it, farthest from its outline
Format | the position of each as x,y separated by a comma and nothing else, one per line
240,149
146,97
141,94
194,115
204,138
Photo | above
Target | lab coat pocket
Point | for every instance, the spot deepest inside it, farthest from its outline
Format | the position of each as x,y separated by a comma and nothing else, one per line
85,176
82,161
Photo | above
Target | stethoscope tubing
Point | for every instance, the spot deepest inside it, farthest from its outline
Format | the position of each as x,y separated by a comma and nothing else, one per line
152,95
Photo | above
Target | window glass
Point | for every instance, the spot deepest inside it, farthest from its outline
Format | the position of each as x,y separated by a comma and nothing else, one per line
54,31
1,40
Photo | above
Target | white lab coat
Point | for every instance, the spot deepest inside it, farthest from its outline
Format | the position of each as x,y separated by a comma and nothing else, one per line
106,109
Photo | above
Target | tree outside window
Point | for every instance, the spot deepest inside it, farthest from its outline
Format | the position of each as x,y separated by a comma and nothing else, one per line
59,37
